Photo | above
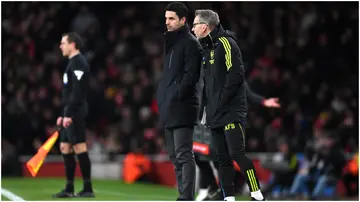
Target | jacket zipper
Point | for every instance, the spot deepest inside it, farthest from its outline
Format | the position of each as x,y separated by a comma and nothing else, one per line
211,84
171,54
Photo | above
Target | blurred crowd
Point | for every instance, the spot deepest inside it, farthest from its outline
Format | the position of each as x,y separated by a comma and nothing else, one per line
304,53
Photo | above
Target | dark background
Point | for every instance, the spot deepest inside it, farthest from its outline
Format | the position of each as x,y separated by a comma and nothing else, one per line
304,53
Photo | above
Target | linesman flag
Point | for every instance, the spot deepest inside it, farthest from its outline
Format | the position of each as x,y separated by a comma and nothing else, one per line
36,161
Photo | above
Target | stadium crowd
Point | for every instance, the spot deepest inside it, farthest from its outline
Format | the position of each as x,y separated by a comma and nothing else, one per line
304,53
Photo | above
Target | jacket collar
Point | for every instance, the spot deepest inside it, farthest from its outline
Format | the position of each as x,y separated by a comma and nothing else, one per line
172,37
210,39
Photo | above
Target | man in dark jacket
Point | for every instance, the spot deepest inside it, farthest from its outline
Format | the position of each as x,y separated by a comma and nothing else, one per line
177,96
225,101
209,189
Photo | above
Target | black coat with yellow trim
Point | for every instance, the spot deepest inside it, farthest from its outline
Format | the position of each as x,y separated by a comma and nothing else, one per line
224,94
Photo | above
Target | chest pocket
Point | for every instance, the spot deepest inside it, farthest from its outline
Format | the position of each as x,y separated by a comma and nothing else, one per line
65,78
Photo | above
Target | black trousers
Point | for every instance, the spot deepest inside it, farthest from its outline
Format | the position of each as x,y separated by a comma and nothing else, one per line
230,145
207,177
206,174
179,143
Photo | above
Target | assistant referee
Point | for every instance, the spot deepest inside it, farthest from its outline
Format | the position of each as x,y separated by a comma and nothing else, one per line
74,95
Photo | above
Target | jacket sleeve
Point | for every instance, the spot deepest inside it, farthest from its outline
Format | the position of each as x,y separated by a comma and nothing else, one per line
234,70
192,65
253,97
78,93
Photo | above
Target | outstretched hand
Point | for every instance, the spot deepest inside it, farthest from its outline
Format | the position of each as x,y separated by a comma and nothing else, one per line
272,103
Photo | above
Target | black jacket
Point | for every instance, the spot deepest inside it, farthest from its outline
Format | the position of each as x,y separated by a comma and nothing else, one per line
74,94
224,79
177,96
202,134
250,96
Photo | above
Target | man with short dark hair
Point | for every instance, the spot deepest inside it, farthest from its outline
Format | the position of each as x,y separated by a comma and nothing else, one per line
177,96
75,80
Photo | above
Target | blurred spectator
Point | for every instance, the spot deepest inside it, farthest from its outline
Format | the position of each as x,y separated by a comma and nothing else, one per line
323,168
284,166
304,53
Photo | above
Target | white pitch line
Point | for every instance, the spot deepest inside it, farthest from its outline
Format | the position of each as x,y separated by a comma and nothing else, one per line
114,193
8,194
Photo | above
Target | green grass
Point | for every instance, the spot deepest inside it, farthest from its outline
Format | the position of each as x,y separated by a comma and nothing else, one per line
3,198
41,189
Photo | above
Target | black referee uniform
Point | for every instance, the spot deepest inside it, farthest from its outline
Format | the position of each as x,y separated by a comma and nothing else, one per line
74,95
75,88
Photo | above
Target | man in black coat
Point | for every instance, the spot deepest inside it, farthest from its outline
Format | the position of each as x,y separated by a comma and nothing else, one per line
225,101
177,96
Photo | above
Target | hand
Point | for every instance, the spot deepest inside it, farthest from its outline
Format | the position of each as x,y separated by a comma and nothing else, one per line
66,122
59,121
203,119
272,102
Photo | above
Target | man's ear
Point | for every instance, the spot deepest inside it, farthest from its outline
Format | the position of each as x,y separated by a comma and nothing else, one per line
73,44
183,20
204,27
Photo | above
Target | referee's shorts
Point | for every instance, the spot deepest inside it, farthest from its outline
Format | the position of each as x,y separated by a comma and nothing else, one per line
75,133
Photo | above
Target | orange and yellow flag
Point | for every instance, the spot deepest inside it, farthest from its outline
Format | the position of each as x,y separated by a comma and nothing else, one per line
35,162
